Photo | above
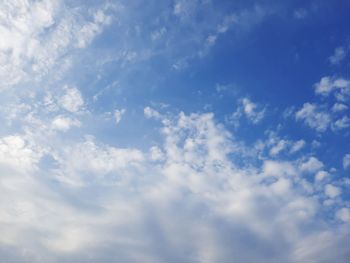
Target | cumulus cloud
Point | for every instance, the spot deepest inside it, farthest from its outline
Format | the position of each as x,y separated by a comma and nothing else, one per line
312,165
320,116
281,145
314,117
199,194
343,214
62,123
332,191
16,152
297,146
275,168
71,100
153,208
151,113
90,158
320,175
328,84
277,145
342,123
338,107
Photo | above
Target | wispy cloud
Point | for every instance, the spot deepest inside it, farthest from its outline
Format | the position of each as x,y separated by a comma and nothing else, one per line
339,55
38,37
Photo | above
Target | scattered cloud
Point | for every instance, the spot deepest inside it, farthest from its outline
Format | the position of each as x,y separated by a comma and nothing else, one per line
253,112
314,117
320,116
320,175
38,35
339,107
312,165
151,113
327,85
118,114
16,152
332,191
343,214
297,146
276,146
193,190
341,123
77,161
72,99
62,123
178,173
339,55
281,145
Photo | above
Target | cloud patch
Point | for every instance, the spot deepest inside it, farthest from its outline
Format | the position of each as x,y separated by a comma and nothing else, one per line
314,117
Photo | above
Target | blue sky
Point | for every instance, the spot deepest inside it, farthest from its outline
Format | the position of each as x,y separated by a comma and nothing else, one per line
174,131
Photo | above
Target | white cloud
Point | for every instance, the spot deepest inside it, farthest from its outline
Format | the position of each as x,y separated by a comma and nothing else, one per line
99,160
63,200
151,113
22,23
320,175
275,168
88,31
338,107
281,145
37,36
310,248
281,187
343,214
72,100
156,154
346,161
341,123
118,114
151,209
16,152
297,146
62,123
252,112
312,165
277,145
314,117
321,117
329,84
332,191
338,56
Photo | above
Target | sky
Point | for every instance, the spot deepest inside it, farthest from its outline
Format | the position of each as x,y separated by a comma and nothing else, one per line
191,131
